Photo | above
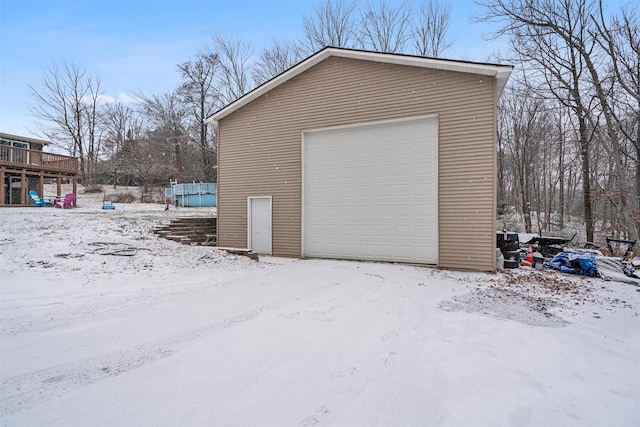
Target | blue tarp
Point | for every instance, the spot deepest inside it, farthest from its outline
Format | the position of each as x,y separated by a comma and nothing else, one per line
573,262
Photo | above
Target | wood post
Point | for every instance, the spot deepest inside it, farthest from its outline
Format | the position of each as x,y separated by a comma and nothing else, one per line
2,195
23,188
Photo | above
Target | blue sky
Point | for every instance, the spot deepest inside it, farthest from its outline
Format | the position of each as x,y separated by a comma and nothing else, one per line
135,45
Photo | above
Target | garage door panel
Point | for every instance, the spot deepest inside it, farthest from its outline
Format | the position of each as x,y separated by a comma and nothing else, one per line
425,211
365,153
425,230
347,173
425,252
384,171
423,168
404,190
404,149
425,190
404,170
384,211
366,172
378,197
404,252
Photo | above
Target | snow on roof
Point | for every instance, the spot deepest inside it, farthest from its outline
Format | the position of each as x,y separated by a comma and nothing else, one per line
500,72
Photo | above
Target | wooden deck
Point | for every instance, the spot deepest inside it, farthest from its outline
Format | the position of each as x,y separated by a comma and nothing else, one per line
13,158
22,170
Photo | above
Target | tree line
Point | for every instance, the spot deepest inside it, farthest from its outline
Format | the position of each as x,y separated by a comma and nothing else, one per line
165,136
568,120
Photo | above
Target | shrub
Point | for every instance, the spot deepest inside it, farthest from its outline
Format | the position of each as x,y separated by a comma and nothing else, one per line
94,188
122,197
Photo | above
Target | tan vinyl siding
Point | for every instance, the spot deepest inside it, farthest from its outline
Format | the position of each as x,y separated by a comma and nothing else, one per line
260,148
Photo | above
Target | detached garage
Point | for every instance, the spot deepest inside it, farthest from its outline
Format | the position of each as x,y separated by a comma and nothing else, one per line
362,155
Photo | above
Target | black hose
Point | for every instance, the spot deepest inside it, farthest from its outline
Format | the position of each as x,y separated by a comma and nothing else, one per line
117,249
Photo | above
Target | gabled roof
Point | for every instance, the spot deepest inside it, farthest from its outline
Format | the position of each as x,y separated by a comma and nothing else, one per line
500,72
23,139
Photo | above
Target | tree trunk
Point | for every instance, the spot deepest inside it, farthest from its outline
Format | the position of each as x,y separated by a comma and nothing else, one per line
620,187
561,176
586,178
524,199
178,154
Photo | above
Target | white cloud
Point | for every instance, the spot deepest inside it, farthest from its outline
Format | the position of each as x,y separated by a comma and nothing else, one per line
125,98
105,99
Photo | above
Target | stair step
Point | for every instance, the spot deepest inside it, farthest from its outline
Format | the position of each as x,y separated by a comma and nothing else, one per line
194,221
199,230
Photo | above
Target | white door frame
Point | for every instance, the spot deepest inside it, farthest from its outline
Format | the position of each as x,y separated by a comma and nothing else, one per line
249,216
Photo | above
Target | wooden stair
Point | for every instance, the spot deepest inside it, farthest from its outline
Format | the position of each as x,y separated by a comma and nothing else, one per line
198,230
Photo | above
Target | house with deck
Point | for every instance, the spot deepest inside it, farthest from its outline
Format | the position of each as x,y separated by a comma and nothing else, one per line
24,166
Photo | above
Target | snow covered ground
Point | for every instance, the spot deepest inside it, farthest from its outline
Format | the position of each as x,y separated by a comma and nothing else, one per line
189,335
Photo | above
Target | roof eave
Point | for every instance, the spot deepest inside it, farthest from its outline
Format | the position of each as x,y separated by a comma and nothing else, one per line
24,139
502,75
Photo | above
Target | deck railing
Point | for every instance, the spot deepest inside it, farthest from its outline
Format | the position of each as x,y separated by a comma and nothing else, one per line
39,160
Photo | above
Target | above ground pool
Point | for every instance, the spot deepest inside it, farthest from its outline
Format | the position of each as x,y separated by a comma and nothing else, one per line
192,195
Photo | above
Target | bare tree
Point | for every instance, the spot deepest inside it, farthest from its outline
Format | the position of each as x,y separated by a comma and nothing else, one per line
234,56
121,125
431,27
521,128
621,41
201,98
586,49
165,115
332,24
275,60
536,154
553,64
146,161
559,41
384,26
68,100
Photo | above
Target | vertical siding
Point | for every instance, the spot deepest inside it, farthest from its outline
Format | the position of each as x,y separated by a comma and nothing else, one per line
260,149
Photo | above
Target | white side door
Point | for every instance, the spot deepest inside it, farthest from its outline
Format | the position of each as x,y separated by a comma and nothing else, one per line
259,226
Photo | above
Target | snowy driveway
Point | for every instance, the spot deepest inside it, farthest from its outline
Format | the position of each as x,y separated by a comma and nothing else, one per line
180,335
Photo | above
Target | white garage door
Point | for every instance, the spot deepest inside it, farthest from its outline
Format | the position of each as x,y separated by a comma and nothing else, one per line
371,192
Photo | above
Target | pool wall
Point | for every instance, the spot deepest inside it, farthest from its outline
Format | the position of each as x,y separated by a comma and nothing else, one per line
192,195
